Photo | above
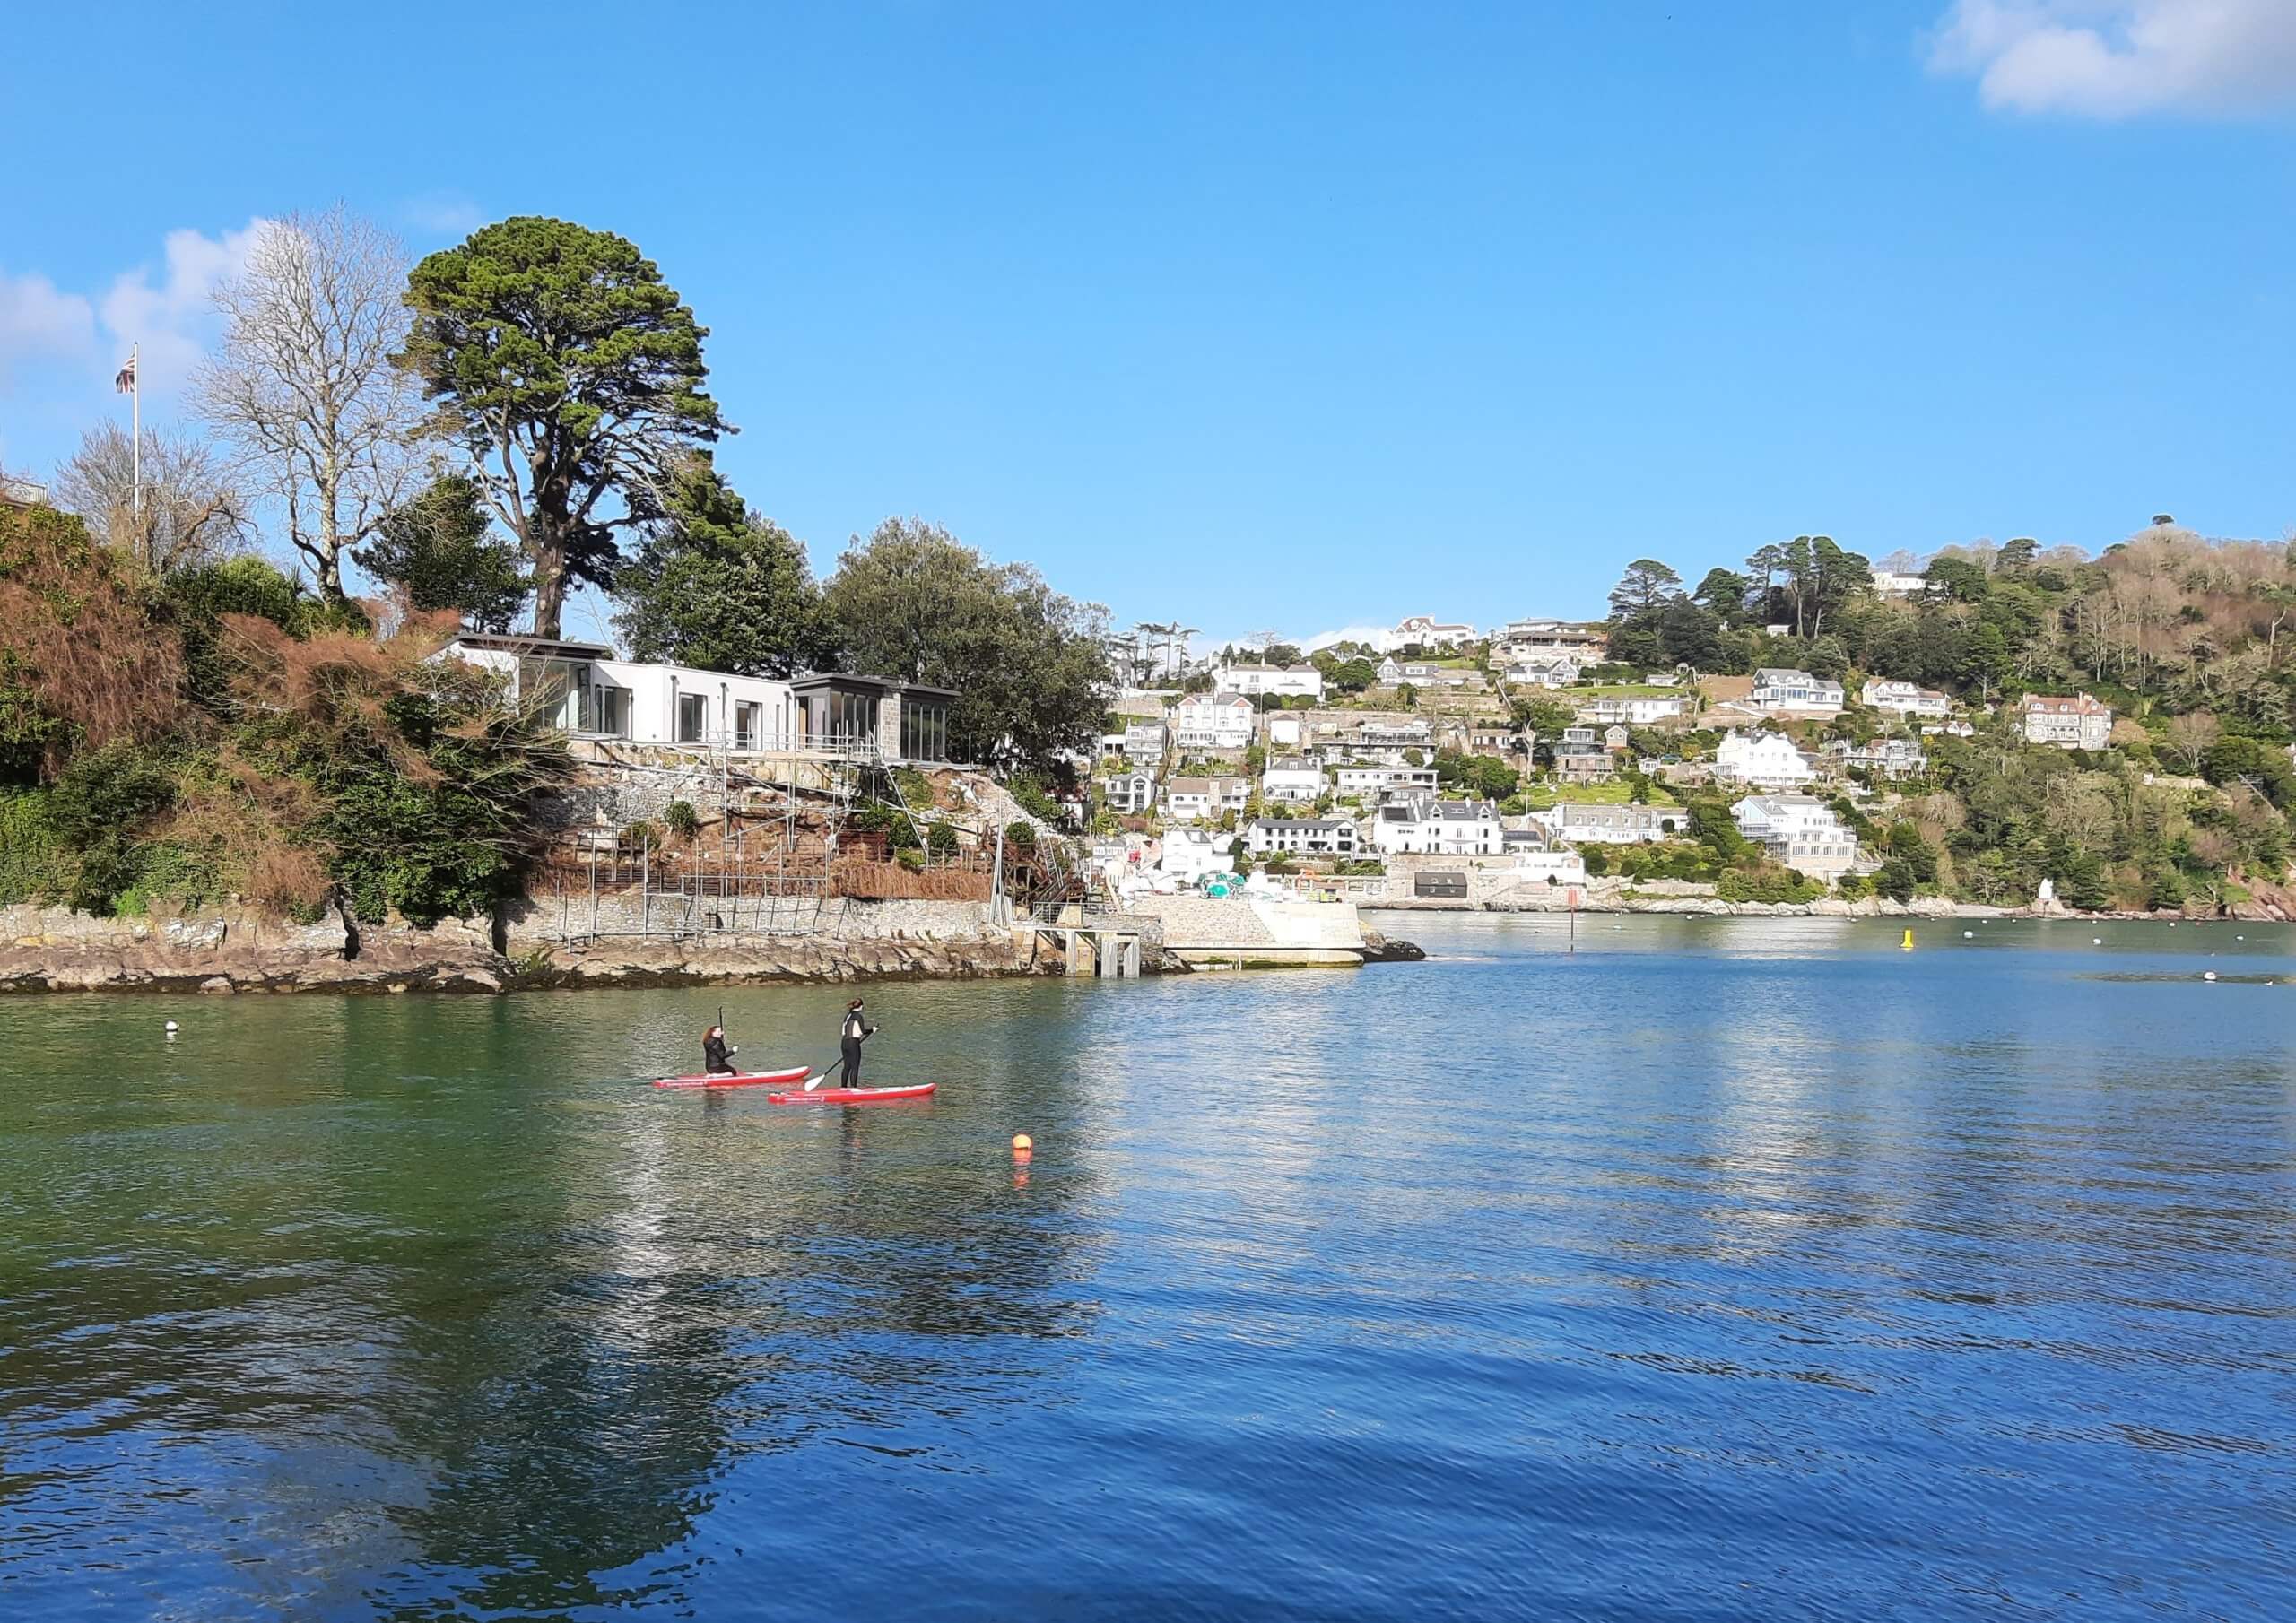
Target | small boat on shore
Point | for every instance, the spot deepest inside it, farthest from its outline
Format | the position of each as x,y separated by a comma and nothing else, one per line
745,1078
854,1096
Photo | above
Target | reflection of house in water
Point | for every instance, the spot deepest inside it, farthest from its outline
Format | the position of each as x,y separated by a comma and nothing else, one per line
582,688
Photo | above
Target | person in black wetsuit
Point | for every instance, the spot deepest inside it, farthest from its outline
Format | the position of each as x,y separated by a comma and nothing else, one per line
717,1059
855,1032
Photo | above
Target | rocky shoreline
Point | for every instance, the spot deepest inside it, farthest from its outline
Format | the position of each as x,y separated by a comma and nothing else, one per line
239,950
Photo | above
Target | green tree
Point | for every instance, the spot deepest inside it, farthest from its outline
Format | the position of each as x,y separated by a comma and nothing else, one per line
1722,592
572,376
442,551
1647,586
718,585
1029,666
1546,718
1956,580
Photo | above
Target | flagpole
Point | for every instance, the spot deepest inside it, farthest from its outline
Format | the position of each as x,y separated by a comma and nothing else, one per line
135,438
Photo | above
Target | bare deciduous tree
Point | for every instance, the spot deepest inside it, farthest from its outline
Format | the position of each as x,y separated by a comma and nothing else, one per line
2190,736
304,384
193,511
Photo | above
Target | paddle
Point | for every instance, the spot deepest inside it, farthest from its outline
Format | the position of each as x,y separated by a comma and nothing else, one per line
866,1035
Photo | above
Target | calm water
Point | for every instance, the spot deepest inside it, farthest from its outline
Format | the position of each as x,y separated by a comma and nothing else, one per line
1722,1269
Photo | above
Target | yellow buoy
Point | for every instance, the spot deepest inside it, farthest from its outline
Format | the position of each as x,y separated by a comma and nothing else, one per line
1022,1141
1905,945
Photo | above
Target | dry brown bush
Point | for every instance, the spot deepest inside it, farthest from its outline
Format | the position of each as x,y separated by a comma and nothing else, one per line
81,639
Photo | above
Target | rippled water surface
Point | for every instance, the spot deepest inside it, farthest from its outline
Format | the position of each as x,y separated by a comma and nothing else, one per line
1735,1268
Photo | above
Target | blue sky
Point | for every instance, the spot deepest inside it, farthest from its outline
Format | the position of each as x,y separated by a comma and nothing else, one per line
1282,316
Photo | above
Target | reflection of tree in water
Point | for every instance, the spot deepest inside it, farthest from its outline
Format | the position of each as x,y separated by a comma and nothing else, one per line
576,1404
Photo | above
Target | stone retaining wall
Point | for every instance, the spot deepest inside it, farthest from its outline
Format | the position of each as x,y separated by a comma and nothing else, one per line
1252,931
238,949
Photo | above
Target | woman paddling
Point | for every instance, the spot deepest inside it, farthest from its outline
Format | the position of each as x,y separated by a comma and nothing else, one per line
717,1059
854,1033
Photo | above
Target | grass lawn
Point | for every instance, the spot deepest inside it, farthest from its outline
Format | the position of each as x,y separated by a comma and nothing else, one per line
1627,689
1543,796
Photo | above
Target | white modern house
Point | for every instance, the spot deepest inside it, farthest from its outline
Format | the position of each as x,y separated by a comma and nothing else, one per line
2079,723
1130,793
1768,760
1799,830
1633,710
1301,837
1428,632
1291,781
1269,682
1903,699
1205,800
1796,692
1213,721
598,699
1382,782
1578,823
1898,586
1284,731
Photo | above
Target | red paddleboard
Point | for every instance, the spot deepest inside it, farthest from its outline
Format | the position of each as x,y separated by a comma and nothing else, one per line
747,1078
854,1096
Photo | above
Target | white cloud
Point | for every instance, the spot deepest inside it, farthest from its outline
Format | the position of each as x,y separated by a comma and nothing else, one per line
40,321
1378,636
60,345
172,318
2117,59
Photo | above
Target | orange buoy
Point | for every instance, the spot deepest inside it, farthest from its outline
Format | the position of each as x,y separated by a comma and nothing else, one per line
1023,1141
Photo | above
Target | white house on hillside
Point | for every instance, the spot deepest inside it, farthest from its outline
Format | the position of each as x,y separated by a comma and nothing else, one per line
1130,793
1439,828
1269,682
2080,722
1529,639
1890,757
1291,782
1543,671
1431,633
1301,836
1768,760
1383,782
583,689
1634,710
1204,800
1190,854
1578,823
1144,741
1780,690
1896,583
1213,721
1904,699
1799,830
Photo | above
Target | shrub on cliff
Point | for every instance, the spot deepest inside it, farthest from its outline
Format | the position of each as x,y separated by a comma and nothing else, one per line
84,662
